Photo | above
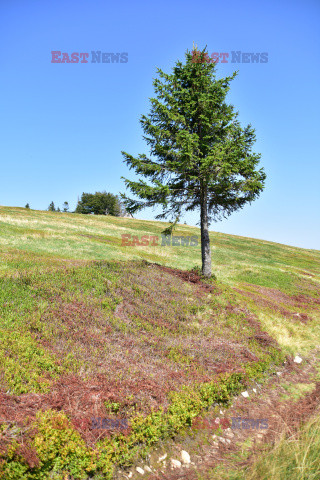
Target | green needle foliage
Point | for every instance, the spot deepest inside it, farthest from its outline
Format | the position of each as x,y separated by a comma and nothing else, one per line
51,207
200,157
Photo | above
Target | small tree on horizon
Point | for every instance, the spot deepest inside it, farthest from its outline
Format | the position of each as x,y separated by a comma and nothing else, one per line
27,206
200,157
65,206
51,207
99,203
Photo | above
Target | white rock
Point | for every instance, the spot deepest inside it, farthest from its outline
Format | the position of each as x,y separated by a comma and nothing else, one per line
221,412
255,390
162,458
140,470
147,469
224,440
129,474
297,359
185,457
175,463
278,373
245,394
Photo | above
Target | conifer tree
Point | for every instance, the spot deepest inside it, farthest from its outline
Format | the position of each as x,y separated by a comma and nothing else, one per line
200,156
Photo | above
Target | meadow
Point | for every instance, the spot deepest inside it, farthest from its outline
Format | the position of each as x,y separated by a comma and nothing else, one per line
93,328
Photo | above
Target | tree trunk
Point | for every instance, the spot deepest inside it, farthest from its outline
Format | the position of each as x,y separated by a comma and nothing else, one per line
205,240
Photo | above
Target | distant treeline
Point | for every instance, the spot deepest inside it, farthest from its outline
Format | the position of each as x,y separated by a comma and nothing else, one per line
99,203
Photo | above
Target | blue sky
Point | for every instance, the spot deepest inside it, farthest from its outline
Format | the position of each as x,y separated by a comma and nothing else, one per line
63,126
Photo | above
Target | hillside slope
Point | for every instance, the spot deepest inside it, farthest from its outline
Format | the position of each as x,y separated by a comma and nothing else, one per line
91,328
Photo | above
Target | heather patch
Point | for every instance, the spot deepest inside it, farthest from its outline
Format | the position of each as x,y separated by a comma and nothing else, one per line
90,329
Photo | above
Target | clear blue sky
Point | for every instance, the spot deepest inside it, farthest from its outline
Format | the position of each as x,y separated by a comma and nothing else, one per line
63,126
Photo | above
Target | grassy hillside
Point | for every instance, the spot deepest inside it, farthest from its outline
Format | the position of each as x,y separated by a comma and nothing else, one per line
235,259
90,328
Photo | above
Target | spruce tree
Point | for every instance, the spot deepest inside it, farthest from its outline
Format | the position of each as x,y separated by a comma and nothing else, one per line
200,156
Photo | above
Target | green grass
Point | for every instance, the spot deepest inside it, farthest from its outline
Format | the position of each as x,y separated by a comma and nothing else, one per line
235,259
295,456
80,313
